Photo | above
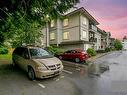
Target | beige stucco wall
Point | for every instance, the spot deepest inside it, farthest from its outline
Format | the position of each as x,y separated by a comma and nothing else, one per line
54,40
97,45
72,28
84,27
86,46
57,29
70,47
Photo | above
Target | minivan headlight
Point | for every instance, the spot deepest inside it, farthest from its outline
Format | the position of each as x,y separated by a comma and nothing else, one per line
41,68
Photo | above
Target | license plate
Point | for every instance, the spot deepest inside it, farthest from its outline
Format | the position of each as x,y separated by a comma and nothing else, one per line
56,72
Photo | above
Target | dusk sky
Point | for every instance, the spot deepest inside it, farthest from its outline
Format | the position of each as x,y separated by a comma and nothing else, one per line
111,14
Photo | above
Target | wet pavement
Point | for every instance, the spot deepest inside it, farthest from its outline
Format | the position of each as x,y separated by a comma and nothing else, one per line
73,81
110,82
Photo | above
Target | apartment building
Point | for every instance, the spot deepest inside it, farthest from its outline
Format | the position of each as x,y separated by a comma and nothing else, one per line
124,42
105,39
76,29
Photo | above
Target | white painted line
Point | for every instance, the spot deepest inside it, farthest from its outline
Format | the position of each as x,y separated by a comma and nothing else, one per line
67,71
61,77
57,79
41,85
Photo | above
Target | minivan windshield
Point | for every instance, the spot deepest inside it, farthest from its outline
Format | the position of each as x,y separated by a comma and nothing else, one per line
39,53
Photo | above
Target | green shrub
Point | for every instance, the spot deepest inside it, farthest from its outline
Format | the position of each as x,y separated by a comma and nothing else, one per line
3,51
55,50
107,49
91,52
118,45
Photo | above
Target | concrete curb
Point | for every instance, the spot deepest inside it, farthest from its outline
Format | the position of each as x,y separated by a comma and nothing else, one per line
98,56
72,64
91,61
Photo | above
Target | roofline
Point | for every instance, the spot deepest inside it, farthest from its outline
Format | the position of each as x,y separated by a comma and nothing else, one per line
101,31
82,10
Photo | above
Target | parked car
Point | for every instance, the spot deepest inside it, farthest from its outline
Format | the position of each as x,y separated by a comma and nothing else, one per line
37,62
77,55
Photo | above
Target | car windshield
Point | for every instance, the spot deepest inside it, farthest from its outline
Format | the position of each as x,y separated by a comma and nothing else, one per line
39,53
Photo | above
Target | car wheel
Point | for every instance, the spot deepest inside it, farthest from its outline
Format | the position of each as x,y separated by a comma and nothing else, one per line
60,57
77,60
31,73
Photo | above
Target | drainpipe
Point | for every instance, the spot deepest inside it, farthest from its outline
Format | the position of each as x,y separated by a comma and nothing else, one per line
47,34
58,32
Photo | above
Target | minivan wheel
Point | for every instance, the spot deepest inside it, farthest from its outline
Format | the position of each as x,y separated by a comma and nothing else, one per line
31,73
77,60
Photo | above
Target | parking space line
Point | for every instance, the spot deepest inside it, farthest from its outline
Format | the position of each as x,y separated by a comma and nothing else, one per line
41,85
67,71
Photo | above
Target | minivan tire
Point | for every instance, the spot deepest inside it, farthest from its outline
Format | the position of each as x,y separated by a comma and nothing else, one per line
31,73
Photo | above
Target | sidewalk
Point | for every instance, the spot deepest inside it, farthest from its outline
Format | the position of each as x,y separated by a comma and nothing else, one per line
97,56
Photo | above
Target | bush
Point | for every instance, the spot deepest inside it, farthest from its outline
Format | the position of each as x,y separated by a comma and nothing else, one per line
3,51
91,52
118,45
107,49
55,50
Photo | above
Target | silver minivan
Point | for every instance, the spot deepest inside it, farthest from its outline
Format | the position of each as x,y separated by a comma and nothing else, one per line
37,62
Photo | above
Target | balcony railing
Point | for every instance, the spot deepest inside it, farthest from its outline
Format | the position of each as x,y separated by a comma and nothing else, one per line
92,28
92,39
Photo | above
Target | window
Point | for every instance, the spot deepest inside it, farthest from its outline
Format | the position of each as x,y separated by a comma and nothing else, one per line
25,53
84,35
52,36
65,22
66,35
94,27
52,24
84,21
19,51
69,51
38,53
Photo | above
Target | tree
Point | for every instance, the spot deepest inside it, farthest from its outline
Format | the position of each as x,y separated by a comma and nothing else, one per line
118,45
24,17
1,39
22,30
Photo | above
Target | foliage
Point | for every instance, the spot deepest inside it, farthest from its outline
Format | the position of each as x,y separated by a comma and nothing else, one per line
37,8
1,38
5,56
22,30
55,50
3,51
21,19
118,45
91,52
107,49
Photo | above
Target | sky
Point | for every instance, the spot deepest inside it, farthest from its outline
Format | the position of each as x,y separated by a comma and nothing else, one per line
111,14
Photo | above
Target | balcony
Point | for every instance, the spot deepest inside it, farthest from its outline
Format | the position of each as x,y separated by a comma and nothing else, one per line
92,28
92,39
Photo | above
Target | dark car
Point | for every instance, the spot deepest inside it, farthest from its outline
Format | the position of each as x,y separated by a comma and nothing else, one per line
76,55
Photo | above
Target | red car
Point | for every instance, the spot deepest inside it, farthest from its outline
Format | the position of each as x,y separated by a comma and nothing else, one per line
76,55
